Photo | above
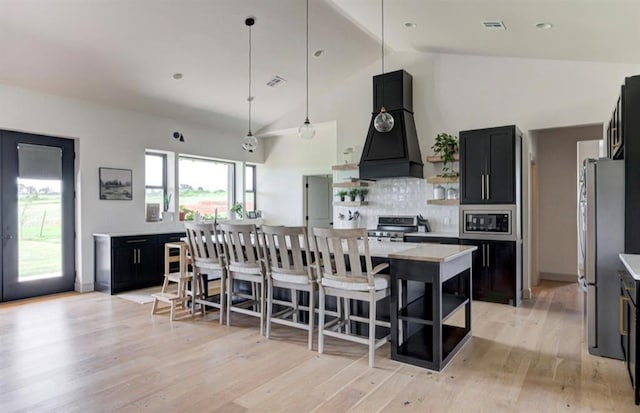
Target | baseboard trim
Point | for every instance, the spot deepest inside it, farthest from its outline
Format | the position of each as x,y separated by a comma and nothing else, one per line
83,288
526,293
569,278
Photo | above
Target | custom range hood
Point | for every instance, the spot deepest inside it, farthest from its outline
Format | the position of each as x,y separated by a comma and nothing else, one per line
393,154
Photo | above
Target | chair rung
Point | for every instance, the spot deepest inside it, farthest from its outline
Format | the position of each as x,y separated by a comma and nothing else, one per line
244,311
359,319
379,342
290,323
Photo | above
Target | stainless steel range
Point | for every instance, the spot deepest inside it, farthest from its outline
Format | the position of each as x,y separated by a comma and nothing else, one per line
393,228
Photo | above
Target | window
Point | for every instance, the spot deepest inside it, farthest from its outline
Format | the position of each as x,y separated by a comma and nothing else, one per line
250,187
155,178
206,186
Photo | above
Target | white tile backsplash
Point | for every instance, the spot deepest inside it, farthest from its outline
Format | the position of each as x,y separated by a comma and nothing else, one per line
403,196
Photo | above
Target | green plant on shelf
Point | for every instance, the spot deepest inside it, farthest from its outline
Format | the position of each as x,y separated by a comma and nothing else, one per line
342,194
353,193
446,146
362,193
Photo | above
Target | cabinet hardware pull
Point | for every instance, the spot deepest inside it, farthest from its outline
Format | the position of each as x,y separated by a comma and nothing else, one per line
622,332
484,259
488,192
134,256
135,241
138,255
483,190
488,258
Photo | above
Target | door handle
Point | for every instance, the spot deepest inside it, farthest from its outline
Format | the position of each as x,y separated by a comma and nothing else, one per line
621,327
487,190
488,257
483,257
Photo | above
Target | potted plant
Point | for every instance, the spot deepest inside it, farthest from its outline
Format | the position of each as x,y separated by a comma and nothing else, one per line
237,210
182,212
362,192
342,194
351,219
446,146
353,193
166,215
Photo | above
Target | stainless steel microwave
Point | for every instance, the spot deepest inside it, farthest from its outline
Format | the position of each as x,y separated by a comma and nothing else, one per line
488,222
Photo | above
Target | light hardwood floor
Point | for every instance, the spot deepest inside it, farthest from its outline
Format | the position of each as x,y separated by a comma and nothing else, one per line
93,352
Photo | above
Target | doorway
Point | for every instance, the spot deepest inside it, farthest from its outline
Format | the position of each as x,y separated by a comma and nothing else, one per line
555,177
37,215
318,209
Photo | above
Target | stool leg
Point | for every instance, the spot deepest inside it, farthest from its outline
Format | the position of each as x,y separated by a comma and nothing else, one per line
269,306
372,328
223,281
321,322
312,298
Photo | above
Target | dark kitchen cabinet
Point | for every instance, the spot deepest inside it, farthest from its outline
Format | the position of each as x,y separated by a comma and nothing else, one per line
629,328
490,165
125,263
497,271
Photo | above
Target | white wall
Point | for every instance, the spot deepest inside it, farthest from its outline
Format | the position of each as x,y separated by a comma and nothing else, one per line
458,92
116,138
287,159
557,192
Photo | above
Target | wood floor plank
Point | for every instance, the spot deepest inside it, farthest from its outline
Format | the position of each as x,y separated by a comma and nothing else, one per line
94,352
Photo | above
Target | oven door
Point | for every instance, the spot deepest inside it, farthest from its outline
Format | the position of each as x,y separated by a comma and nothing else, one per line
490,222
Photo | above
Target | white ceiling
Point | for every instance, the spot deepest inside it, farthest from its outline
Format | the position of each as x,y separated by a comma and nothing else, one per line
124,53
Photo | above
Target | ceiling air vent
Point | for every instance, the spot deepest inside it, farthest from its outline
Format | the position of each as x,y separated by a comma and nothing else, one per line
277,80
494,25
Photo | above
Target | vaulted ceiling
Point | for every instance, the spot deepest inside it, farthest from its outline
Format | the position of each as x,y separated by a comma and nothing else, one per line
125,53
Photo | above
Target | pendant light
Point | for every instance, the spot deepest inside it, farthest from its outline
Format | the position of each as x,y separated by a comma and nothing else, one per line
249,143
383,121
306,130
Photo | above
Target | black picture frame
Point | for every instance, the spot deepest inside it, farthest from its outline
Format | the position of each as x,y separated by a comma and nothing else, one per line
115,184
251,215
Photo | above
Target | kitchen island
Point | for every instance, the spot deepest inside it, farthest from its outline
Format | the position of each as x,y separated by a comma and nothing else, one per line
429,284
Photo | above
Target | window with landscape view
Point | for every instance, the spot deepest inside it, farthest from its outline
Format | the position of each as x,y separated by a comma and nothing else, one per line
250,187
205,186
155,179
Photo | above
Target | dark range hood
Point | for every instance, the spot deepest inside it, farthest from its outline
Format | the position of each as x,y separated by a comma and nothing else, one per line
393,154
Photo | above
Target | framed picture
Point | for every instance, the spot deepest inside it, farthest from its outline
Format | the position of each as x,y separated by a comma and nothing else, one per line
251,214
115,184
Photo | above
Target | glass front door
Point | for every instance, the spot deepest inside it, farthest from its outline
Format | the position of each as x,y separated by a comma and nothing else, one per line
37,215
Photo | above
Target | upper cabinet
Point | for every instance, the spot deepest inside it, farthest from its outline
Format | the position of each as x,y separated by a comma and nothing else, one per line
490,165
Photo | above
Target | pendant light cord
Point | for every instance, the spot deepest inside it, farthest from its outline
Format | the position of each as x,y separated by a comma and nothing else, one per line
250,98
307,118
382,13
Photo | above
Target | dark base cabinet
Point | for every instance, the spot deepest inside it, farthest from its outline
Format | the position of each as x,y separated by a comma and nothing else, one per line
125,263
424,295
497,271
629,289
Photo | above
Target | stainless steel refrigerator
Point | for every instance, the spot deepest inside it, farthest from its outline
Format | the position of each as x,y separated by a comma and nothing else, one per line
601,239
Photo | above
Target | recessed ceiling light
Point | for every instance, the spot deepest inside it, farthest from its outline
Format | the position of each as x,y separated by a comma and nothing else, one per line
410,25
318,53
177,76
544,25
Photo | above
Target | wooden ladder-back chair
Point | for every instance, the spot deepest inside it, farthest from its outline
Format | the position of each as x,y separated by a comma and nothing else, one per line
349,282
208,260
243,256
288,258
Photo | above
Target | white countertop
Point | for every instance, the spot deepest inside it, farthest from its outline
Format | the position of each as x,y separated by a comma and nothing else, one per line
433,234
434,252
632,264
